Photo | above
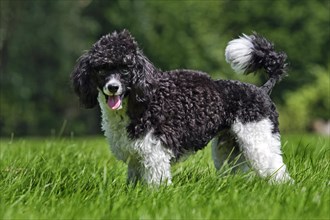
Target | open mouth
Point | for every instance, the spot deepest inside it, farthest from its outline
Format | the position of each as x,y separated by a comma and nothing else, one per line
114,101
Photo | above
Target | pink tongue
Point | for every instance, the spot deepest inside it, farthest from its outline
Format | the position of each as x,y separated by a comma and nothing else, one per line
114,102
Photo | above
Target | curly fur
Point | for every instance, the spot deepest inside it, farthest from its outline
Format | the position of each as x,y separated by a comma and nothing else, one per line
164,115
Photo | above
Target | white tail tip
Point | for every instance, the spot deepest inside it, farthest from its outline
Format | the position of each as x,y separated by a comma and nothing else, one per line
239,53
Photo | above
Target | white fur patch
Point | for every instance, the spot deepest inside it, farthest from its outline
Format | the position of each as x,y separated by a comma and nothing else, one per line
238,53
154,162
147,159
262,149
114,123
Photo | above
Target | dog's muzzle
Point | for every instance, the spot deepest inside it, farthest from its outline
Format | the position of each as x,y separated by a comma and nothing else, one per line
114,94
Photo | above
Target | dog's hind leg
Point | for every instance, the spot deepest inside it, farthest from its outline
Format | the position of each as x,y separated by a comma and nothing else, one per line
226,154
262,148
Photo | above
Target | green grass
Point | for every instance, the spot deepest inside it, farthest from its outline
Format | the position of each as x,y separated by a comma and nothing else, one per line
79,178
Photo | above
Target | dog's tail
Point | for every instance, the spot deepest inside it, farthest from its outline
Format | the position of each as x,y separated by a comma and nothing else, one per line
249,54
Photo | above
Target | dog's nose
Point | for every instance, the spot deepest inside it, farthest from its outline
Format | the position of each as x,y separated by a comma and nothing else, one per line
113,88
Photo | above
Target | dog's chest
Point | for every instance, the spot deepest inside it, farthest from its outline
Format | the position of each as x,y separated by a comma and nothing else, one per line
114,124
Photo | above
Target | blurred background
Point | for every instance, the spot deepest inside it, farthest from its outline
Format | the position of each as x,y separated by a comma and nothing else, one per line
41,40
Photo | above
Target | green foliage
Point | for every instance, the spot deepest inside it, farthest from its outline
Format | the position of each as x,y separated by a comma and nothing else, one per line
80,179
40,41
308,103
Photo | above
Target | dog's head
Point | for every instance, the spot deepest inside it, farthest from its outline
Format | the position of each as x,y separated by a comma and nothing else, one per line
114,65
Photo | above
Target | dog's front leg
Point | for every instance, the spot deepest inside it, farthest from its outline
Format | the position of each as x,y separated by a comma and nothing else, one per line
149,172
153,165
133,172
156,170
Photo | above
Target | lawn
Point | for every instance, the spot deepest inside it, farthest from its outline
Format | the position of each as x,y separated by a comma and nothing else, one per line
65,178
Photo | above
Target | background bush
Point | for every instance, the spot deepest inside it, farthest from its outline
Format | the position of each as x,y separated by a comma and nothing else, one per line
308,103
41,40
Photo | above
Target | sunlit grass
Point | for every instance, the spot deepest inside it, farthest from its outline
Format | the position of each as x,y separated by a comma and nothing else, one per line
79,178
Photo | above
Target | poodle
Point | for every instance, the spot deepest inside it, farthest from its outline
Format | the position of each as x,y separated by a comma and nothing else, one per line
151,118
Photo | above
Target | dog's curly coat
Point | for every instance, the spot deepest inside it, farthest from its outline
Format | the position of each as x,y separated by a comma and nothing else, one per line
151,118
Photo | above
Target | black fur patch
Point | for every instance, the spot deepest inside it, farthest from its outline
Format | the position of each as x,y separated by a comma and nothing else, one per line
187,109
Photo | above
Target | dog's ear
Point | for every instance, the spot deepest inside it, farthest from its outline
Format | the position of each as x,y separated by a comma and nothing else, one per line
143,77
83,84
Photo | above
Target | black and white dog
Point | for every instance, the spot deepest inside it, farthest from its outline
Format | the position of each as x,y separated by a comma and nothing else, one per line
151,117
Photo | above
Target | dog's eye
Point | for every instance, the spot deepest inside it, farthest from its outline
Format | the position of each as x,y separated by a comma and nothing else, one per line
102,73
